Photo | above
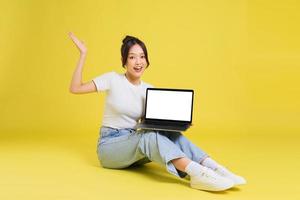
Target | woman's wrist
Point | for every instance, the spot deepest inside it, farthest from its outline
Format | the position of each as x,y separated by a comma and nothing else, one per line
83,54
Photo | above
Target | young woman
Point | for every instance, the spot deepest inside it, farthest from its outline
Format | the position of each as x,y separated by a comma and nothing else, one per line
121,146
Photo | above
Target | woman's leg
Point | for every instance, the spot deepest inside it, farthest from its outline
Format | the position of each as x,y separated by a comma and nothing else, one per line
118,148
159,148
123,148
198,155
181,163
187,147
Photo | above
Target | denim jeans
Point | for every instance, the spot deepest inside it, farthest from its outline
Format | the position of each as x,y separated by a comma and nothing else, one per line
121,148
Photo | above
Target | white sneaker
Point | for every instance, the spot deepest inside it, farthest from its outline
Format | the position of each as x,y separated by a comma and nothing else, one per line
208,180
238,180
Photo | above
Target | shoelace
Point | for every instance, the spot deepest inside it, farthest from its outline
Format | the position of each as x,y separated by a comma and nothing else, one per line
222,172
208,173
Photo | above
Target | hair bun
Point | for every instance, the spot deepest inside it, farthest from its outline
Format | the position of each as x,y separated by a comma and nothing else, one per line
128,38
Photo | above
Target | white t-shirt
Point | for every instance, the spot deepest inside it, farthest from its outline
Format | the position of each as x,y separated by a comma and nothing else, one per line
124,103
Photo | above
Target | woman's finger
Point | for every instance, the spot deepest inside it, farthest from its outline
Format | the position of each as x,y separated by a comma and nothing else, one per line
79,43
75,39
71,35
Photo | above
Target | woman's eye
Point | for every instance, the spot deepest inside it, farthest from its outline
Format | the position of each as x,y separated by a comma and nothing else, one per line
142,56
131,57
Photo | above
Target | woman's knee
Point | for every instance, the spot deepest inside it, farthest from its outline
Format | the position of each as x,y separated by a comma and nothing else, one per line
149,137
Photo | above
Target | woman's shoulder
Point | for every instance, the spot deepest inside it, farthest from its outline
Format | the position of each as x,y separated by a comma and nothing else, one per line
111,74
107,76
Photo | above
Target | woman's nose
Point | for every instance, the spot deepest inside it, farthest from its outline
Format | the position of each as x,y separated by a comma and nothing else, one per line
138,61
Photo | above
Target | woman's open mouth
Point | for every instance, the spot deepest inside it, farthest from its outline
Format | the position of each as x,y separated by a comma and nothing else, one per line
137,69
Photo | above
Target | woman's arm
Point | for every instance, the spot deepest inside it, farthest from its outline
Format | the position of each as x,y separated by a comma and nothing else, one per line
76,86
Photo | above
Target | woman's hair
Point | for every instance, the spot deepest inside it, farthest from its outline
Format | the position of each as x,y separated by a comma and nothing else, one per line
128,42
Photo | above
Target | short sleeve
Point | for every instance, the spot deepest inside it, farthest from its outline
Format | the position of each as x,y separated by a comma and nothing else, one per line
103,81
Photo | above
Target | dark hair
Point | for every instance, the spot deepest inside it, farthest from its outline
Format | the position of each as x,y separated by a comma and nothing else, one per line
128,42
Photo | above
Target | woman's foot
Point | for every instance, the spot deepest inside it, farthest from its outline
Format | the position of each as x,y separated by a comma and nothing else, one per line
222,171
203,178
238,180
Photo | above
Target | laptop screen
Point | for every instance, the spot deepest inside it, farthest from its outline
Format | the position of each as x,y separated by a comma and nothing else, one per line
169,104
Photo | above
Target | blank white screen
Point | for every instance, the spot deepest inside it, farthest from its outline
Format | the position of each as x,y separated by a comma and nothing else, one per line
171,105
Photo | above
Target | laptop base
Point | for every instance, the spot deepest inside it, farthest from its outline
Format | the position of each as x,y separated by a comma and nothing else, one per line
161,127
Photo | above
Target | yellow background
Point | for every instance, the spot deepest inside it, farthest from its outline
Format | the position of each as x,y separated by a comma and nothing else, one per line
241,57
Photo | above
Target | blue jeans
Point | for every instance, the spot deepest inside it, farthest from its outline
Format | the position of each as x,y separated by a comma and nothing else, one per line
121,148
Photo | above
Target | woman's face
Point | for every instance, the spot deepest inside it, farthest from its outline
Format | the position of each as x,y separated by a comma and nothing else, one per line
136,62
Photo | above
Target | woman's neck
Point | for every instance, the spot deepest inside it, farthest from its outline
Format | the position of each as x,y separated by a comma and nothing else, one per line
134,81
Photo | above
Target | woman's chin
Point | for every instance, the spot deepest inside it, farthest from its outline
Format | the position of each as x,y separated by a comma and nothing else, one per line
137,74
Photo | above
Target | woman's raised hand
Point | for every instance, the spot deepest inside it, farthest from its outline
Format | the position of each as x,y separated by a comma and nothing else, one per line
79,44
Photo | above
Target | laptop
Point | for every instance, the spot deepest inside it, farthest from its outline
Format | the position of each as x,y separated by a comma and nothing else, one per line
167,110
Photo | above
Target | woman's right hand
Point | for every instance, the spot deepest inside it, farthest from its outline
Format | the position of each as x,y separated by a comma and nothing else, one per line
79,44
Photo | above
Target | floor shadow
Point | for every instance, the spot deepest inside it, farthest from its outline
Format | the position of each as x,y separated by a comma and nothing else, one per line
235,189
156,173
